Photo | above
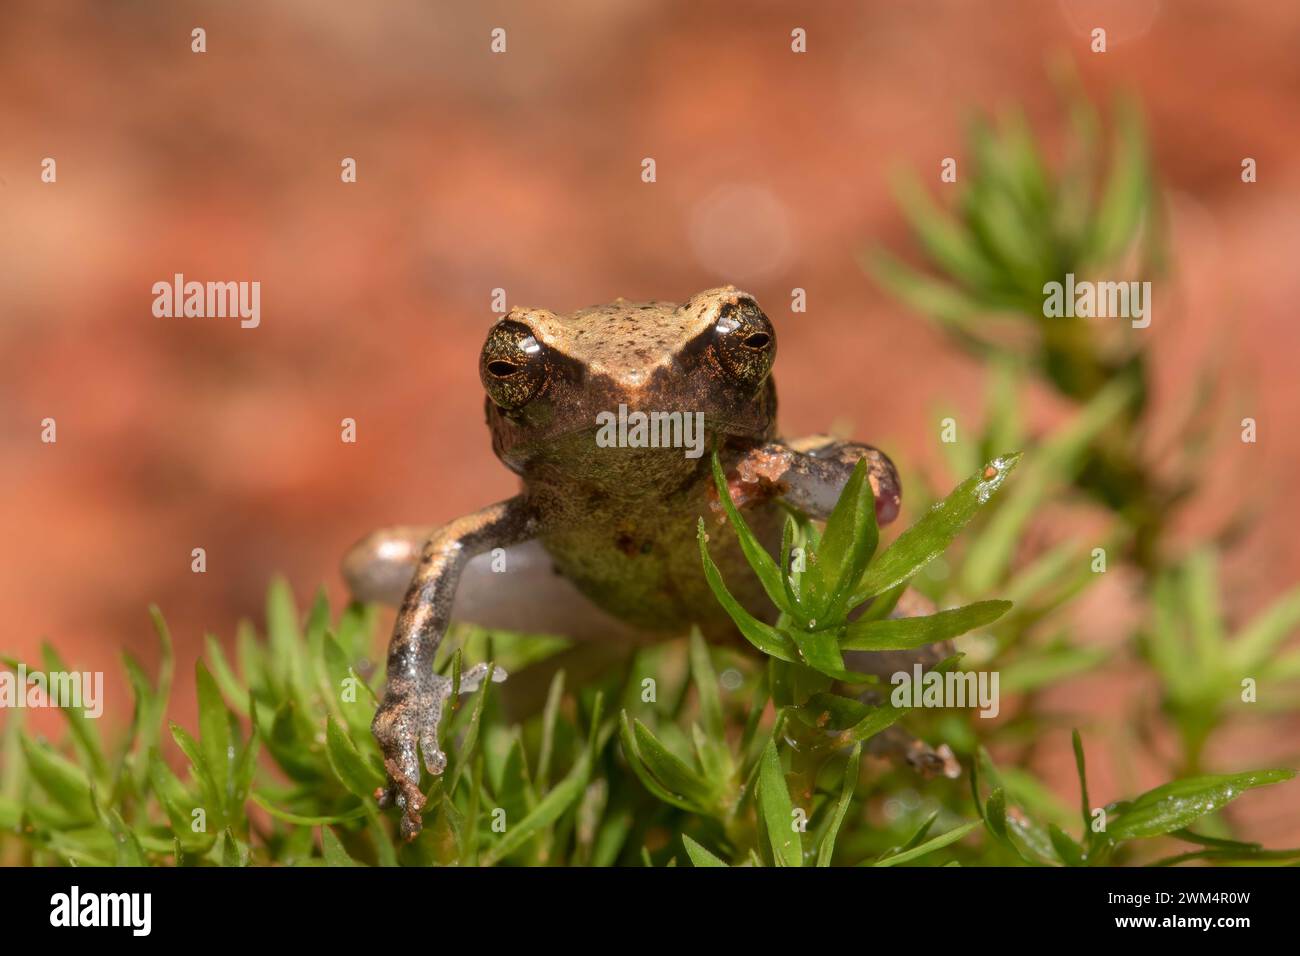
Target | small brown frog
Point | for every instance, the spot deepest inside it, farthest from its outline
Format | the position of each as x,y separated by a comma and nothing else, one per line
600,544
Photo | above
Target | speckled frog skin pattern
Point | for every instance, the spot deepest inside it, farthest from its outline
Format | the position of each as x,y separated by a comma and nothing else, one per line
600,543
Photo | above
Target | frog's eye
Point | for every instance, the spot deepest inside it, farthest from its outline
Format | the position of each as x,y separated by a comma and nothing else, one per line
512,366
745,342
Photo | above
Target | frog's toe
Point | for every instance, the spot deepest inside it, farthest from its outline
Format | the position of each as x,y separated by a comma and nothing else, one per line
397,729
403,791
471,680
435,761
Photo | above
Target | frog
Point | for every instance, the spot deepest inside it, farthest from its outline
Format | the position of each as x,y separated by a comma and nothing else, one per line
600,544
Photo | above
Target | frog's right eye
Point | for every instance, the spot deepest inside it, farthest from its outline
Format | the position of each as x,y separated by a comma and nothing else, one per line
512,366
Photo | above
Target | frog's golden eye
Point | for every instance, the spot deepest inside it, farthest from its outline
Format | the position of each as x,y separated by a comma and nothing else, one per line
512,366
745,342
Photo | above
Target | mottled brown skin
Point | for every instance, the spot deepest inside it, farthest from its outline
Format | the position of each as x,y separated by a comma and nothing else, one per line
618,523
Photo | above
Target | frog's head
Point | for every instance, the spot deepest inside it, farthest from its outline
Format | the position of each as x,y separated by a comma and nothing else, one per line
555,381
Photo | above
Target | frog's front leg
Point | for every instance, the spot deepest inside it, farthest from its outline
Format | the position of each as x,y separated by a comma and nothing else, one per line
810,473
408,718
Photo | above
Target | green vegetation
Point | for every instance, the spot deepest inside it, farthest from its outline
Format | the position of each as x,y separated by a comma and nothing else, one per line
685,754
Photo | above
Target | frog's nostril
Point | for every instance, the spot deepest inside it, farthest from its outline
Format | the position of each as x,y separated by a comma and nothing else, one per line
503,369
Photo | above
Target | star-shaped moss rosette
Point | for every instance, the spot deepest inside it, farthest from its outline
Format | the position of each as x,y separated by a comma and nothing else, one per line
844,570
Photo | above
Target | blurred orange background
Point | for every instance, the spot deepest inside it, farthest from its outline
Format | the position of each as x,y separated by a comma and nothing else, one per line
522,171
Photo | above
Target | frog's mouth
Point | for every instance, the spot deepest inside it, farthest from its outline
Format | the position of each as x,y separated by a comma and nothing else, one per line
693,434
626,452
585,434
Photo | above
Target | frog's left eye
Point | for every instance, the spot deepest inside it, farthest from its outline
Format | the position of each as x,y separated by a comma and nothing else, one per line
745,342
512,366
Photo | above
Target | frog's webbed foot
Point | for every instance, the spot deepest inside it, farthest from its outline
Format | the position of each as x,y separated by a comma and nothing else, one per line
411,718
